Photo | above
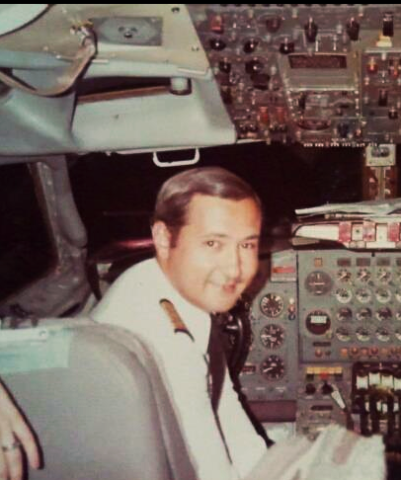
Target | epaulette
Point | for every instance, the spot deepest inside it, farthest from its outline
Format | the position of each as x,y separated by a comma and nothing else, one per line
174,316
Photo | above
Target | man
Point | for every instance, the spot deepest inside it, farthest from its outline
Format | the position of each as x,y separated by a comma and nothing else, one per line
206,231
14,433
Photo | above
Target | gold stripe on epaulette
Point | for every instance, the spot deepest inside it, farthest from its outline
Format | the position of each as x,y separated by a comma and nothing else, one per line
174,316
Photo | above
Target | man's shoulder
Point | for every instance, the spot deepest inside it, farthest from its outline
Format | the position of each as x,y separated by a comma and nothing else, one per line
132,290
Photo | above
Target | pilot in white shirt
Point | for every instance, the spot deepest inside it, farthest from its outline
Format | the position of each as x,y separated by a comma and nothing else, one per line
206,230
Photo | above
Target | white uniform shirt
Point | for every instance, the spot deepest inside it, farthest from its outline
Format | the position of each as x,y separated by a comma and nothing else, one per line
132,302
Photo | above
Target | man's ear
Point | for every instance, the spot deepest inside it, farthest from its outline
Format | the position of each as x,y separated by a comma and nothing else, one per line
161,239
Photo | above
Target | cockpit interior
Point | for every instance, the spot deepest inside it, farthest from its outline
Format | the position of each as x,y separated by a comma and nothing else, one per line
99,104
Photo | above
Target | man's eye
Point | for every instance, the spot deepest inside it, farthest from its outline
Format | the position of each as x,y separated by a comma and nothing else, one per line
212,243
249,245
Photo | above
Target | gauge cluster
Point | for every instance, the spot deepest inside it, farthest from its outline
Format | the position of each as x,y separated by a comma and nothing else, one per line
350,306
320,320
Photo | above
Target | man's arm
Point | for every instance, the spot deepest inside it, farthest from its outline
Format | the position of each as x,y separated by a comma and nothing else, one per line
14,433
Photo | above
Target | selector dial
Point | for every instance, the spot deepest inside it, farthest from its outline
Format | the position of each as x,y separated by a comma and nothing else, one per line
273,368
364,314
383,295
363,275
363,295
362,334
383,275
344,315
344,275
271,305
272,336
384,314
343,334
318,283
343,295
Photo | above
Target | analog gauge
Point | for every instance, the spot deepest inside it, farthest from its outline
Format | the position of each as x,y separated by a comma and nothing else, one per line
383,275
344,275
383,334
364,314
398,295
318,322
318,283
384,314
362,334
343,295
273,367
344,315
398,316
272,305
364,295
397,333
363,275
383,295
343,334
272,336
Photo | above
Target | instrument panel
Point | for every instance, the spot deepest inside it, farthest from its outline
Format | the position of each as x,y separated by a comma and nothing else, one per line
326,332
320,75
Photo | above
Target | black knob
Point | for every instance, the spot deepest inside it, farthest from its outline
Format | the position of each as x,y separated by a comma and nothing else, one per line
287,47
388,25
260,80
327,389
310,389
353,29
273,24
383,98
311,30
343,130
217,44
302,101
250,45
253,66
225,66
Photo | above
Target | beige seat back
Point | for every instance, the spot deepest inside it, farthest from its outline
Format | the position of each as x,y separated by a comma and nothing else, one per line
95,399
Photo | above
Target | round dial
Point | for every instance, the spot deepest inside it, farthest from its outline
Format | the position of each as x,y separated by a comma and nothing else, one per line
318,322
272,336
383,334
364,314
318,283
273,367
344,315
362,334
343,295
343,334
384,314
383,295
398,316
363,275
363,295
383,275
344,275
271,305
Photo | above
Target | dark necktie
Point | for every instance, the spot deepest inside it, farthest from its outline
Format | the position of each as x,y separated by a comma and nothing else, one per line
217,364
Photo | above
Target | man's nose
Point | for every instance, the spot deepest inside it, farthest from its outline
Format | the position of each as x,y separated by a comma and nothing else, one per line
233,264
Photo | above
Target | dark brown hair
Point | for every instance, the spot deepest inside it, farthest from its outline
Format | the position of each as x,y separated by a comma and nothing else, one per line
176,193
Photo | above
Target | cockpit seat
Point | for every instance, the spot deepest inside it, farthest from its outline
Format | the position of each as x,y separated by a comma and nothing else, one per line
95,399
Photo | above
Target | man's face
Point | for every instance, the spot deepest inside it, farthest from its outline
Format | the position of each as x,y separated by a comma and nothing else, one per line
215,255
